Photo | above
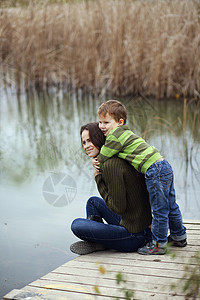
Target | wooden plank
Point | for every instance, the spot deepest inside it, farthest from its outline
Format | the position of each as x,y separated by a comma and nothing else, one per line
156,263
130,270
192,226
192,233
48,294
112,291
12,294
29,292
194,242
149,276
107,279
144,282
185,222
128,265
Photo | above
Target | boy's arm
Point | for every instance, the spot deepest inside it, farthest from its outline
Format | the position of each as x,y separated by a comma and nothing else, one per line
111,147
113,192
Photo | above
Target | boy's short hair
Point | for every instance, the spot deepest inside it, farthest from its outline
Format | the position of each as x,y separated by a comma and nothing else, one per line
114,108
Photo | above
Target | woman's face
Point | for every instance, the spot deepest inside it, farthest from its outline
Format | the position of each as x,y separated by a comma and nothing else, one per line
89,148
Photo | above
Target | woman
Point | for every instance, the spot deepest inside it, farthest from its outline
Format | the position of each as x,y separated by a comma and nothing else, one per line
125,205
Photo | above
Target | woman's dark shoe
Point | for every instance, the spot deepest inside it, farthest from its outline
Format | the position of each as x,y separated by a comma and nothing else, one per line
95,218
181,243
83,247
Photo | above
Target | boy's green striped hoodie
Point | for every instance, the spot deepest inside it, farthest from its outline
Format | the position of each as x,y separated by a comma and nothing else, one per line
121,141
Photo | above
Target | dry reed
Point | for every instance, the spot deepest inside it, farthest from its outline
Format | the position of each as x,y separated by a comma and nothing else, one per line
121,47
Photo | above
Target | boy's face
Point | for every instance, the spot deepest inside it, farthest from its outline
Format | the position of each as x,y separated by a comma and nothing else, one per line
107,123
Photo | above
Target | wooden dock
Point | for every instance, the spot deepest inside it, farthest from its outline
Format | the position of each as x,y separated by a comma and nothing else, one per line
150,277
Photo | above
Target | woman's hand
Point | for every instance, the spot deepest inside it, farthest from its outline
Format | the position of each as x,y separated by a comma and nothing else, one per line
96,172
96,164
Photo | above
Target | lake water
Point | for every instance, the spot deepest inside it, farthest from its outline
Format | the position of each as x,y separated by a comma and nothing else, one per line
46,178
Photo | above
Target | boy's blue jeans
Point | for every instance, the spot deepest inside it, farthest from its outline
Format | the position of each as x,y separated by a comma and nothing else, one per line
112,235
166,213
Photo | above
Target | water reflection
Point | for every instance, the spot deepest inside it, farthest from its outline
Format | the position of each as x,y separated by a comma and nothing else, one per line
39,137
41,132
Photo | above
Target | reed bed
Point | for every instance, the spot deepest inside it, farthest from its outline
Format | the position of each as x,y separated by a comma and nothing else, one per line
120,47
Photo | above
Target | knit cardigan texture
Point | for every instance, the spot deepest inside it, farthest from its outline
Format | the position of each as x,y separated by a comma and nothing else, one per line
124,192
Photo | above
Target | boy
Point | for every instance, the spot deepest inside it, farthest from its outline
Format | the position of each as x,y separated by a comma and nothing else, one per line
121,141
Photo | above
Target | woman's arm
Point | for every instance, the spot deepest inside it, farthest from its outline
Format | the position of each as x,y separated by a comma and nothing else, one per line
111,185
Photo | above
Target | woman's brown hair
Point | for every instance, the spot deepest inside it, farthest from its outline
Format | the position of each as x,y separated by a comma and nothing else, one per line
96,135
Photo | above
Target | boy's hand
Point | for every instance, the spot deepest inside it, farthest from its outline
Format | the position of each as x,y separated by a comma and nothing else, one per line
96,164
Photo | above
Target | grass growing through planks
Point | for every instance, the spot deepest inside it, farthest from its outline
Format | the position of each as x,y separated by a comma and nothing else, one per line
121,282
189,284
190,281
120,47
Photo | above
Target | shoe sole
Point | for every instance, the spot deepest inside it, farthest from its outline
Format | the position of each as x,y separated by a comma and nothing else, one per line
83,247
151,253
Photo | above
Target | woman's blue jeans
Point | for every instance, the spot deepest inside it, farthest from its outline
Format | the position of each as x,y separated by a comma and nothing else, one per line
112,235
166,213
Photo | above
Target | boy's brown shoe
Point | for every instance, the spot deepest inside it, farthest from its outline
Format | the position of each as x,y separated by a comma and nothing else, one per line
181,243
